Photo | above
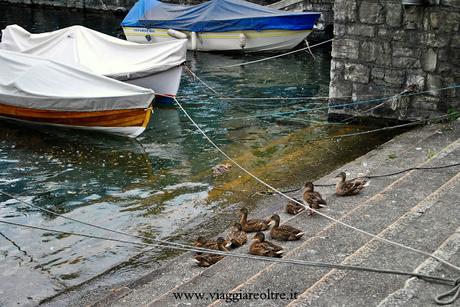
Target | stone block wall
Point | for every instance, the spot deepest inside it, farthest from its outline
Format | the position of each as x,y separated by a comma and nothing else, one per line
383,48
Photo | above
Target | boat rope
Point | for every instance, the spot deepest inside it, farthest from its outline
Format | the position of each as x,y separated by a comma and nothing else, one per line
309,49
198,78
365,176
317,264
276,56
293,98
354,103
454,293
185,245
277,191
98,226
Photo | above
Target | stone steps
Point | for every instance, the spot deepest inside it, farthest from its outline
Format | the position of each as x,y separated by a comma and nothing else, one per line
181,275
417,292
333,245
415,229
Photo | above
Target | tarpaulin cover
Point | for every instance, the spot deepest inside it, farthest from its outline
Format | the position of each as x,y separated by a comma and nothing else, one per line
97,52
37,83
216,16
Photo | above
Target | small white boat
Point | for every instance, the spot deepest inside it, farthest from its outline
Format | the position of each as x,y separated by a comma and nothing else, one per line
39,91
155,66
218,25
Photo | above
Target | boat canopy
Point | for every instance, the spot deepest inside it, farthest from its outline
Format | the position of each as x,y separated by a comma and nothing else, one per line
216,16
97,52
33,82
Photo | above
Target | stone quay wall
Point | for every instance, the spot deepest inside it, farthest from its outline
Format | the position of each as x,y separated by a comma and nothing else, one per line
383,48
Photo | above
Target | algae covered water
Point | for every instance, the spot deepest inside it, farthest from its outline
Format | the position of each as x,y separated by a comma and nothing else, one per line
161,184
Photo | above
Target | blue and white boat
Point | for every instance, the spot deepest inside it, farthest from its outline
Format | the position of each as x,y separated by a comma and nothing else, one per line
218,25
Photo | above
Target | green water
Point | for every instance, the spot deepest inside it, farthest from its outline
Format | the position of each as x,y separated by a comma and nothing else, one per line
161,184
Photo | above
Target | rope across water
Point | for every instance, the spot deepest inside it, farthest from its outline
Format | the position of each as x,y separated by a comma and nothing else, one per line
246,256
296,201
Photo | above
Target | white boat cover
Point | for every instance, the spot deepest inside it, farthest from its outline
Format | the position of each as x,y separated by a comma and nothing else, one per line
37,83
97,52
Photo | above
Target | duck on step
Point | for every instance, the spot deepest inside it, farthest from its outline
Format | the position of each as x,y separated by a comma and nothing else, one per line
349,187
206,260
252,225
260,247
209,244
283,232
237,236
313,198
293,207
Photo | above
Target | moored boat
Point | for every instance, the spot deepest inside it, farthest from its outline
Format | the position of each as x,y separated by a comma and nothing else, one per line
218,25
156,66
40,91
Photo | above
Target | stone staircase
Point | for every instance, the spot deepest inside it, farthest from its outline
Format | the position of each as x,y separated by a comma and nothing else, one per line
417,208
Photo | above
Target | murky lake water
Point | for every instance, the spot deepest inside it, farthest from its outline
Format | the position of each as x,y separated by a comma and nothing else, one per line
161,184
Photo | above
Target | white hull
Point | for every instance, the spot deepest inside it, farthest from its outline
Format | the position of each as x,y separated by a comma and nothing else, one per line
131,132
164,84
253,41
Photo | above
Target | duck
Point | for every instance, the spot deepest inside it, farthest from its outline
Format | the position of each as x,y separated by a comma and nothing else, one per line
260,247
237,236
209,244
349,187
283,232
313,198
206,260
252,225
292,207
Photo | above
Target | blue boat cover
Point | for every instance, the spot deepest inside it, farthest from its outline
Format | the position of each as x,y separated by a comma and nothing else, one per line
216,16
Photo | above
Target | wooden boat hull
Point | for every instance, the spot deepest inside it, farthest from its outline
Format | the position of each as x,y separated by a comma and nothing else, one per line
127,122
256,41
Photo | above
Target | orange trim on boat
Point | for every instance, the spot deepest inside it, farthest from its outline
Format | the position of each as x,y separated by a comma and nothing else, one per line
110,118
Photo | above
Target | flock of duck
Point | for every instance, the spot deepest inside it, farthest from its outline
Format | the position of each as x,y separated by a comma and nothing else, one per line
261,247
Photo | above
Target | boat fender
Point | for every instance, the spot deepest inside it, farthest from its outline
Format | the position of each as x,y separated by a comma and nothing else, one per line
148,37
243,40
177,34
193,38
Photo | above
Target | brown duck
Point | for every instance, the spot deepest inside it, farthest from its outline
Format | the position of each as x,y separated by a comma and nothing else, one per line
252,225
260,247
207,260
283,232
294,208
210,244
349,187
237,236
313,198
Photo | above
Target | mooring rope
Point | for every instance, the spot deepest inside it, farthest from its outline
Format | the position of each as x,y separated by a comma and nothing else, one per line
198,78
296,201
354,103
320,264
98,226
276,56
366,176
453,293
